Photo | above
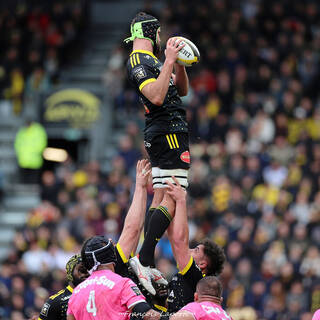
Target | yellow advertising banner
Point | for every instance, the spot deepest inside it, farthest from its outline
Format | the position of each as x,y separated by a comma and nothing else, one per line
75,108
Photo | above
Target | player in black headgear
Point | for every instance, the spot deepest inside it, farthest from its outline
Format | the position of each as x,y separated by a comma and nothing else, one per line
145,26
97,251
105,291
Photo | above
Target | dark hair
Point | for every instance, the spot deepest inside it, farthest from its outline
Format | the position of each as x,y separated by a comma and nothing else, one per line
210,286
215,255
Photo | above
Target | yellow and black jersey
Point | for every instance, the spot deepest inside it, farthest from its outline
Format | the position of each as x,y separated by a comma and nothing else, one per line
143,68
183,286
56,306
123,269
122,264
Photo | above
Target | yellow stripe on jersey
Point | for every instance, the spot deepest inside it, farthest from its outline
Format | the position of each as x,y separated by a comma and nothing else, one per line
161,308
122,255
187,267
57,294
144,51
134,60
138,58
171,138
70,288
169,142
144,83
176,140
131,62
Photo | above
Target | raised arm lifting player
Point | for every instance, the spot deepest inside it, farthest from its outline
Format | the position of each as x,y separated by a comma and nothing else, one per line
56,306
206,259
166,130
130,234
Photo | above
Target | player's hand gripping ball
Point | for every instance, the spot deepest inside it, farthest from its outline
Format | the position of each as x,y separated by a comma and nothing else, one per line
189,55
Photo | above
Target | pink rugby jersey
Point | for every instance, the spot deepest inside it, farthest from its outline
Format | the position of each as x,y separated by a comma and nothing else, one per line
104,295
206,311
316,315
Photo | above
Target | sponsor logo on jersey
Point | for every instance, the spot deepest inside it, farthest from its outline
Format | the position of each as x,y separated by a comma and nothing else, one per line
66,298
140,73
136,290
45,309
185,157
147,144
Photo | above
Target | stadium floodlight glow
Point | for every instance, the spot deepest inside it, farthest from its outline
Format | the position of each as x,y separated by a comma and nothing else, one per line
55,154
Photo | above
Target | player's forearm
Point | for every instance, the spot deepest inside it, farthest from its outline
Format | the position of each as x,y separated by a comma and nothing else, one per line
134,221
181,232
138,207
156,91
178,234
182,81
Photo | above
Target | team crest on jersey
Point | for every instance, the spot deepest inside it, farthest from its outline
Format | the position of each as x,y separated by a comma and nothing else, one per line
185,157
45,309
140,73
136,290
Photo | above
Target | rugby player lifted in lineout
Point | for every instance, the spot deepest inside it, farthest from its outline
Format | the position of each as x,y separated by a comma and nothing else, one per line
166,130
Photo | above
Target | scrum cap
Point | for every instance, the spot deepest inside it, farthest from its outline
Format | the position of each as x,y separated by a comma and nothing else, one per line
96,251
73,261
144,26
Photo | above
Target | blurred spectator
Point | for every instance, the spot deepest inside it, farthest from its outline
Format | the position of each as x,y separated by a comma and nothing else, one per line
29,144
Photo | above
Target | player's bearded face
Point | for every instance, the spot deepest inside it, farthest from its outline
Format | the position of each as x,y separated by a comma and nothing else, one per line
80,274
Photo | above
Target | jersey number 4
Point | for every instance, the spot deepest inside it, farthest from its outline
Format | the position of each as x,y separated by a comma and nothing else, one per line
91,305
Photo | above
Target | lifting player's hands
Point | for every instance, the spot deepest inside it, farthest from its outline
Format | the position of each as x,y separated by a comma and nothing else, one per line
143,171
173,47
176,192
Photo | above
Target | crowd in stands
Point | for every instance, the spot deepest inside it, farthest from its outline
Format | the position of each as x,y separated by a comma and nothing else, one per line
254,114
37,39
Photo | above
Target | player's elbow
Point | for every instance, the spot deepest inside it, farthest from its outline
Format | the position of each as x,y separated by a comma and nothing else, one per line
157,100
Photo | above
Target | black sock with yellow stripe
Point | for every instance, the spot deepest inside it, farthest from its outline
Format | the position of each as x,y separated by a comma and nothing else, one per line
158,224
148,219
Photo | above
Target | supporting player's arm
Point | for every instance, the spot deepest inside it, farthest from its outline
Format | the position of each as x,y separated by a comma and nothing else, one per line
181,79
178,231
135,217
70,317
156,91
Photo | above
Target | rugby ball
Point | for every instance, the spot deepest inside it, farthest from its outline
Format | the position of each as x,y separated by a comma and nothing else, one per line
189,55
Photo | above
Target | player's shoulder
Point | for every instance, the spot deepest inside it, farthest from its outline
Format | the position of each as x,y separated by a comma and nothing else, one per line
50,307
191,267
58,295
141,57
191,306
